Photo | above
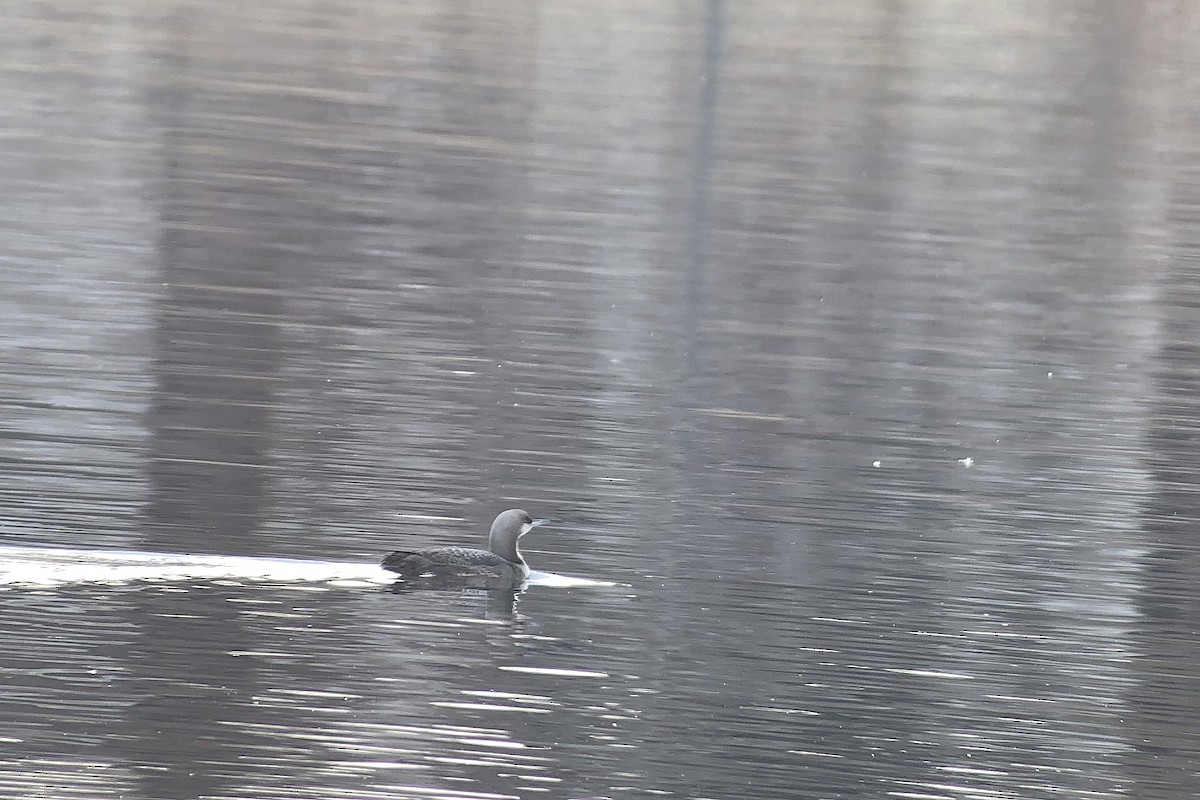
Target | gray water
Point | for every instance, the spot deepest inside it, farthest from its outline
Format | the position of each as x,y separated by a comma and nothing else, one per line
857,343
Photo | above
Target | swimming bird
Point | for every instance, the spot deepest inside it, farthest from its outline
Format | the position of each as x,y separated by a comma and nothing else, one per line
501,565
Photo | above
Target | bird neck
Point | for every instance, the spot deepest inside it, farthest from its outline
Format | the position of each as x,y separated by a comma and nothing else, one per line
506,549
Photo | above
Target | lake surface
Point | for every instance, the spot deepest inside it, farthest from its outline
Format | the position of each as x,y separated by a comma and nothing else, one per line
857,344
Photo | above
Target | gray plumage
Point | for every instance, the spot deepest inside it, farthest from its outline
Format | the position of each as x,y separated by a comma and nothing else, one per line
501,564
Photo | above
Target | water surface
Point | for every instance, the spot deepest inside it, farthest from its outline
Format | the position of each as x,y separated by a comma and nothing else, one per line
856,343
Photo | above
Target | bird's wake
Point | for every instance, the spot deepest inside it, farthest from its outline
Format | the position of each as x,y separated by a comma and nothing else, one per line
47,567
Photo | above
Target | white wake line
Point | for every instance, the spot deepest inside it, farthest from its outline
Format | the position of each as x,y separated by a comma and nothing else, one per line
564,581
28,566
49,567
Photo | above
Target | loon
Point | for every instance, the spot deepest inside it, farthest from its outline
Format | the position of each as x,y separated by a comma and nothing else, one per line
500,565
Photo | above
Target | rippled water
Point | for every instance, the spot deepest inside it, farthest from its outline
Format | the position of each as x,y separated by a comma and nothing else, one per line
852,349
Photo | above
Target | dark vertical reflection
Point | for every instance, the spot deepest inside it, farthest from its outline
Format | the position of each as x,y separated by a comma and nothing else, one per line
219,348
222,261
